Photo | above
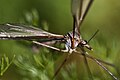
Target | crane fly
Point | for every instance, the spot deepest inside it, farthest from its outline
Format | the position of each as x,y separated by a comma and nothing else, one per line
72,40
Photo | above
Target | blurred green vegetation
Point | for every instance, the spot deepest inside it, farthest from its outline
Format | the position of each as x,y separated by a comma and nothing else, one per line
55,16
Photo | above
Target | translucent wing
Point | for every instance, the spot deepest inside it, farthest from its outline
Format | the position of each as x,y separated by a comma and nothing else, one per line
10,31
79,10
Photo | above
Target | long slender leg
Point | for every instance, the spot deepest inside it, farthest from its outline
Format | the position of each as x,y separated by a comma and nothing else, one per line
91,57
114,77
59,68
100,64
51,47
88,68
56,50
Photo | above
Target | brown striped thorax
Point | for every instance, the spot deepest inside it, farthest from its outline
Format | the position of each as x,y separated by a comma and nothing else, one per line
73,42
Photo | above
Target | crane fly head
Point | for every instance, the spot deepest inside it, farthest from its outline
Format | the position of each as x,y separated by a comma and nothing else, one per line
73,42
84,43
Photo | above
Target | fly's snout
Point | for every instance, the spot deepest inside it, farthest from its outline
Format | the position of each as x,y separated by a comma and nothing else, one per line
84,43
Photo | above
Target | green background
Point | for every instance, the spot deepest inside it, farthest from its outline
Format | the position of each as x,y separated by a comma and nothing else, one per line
103,15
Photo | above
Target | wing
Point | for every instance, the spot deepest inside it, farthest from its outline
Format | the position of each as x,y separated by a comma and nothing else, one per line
79,10
11,31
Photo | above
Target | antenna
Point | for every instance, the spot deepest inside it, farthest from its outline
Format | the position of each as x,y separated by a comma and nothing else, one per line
93,35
